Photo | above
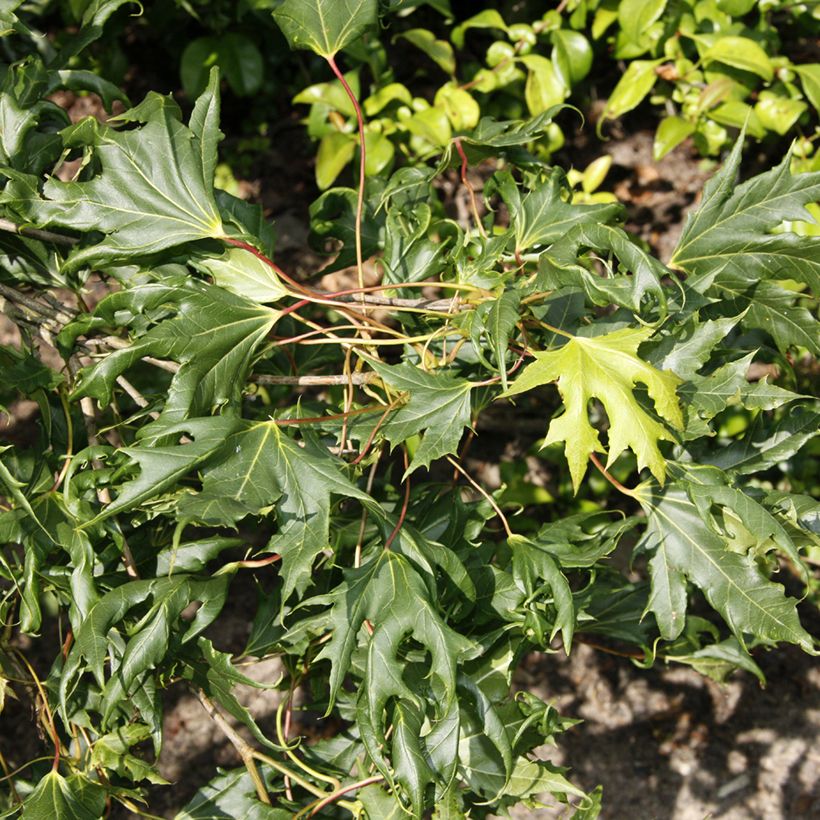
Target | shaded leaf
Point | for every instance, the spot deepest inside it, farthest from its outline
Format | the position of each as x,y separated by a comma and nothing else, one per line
325,26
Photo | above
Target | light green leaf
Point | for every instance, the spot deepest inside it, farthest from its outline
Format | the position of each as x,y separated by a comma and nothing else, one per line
810,80
438,404
489,18
325,26
544,87
244,274
631,89
608,368
636,16
336,150
462,109
439,51
671,132
777,113
740,52
571,56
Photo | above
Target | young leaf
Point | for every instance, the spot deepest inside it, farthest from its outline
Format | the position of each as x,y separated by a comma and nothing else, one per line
606,367
325,26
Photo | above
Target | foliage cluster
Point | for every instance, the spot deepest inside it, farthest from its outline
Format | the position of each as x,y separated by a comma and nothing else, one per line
213,423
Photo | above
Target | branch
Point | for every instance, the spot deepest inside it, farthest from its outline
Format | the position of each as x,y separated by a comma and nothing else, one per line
316,381
245,751
35,233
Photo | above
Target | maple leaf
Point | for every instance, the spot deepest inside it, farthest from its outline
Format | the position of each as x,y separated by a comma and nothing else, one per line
606,367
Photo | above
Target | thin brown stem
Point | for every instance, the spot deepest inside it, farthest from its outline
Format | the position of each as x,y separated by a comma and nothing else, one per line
609,477
340,792
405,504
468,185
35,233
317,381
490,500
331,61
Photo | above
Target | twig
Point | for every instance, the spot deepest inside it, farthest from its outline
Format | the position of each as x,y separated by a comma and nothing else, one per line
362,163
609,477
490,499
352,787
36,233
244,749
468,185
316,381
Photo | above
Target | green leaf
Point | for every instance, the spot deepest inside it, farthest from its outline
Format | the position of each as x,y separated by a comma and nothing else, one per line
636,83
810,80
58,798
439,51
772,308
766,445
214,673
533,570
260,466
213,336
544,87
671,132
740,52
227,796
563,266
729,236
545,216
161,466
154,190
388,592
244,274
325,26
437,403
501,321
731,581
606,367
